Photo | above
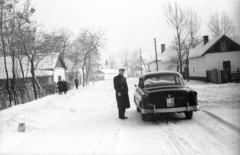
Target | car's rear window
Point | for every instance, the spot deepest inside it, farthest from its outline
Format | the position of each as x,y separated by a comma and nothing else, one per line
162,80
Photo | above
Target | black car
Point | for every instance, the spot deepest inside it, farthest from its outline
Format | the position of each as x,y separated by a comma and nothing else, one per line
164,92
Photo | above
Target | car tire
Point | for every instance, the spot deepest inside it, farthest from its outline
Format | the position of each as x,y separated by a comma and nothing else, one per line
138,109
144,117
189,114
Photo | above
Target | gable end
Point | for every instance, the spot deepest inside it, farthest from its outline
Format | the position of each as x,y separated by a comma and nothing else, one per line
224,44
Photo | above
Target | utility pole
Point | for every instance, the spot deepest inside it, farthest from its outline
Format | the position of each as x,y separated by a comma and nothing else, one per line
156,52
141,61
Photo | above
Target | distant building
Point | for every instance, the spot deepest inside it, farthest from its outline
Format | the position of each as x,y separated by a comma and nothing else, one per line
138,70
105,74
164,60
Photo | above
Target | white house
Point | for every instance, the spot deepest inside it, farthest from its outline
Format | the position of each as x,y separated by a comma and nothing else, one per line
106,74
219,53
50,69
164,61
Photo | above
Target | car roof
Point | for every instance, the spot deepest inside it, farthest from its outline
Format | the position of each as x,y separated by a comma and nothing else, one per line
150,74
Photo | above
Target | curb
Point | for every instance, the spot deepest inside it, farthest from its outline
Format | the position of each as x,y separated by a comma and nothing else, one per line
232,126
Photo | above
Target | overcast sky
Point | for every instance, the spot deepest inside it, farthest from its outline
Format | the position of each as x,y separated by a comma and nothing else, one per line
129,24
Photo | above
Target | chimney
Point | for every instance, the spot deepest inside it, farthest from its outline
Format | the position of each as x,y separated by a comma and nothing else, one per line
205,39
162,48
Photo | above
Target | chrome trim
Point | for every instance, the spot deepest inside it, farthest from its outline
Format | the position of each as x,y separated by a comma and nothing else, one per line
170,110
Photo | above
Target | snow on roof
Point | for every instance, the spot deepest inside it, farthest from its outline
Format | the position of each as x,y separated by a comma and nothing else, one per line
107,71
44,68
201,48
166,56
48,62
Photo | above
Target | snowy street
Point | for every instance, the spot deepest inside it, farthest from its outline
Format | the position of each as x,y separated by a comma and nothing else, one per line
85,121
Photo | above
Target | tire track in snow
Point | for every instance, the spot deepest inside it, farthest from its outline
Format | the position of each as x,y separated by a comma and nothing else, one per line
203,132
179,143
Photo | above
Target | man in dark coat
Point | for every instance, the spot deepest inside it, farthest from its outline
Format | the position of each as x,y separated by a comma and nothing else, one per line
76,83
121,87
64,86
60,86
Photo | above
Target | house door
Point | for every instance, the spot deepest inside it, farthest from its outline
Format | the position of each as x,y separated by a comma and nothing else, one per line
59,78
226,65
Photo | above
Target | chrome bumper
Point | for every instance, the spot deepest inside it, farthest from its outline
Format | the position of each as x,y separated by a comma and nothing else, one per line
170,110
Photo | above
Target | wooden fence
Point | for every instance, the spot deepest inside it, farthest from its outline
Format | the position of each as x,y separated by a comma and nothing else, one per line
222,76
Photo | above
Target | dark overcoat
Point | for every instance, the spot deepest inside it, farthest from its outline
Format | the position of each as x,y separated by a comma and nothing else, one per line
120,85
60,86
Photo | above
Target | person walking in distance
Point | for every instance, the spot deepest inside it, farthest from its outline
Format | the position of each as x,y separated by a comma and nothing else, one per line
121,88
76,83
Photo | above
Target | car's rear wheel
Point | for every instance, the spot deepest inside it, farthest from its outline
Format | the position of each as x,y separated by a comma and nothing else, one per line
144,117
189,114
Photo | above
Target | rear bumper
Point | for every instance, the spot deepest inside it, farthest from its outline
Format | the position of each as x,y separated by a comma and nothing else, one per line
170,110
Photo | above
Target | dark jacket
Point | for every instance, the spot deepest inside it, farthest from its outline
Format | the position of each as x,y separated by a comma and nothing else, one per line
60,86
76,81
64,86
120,85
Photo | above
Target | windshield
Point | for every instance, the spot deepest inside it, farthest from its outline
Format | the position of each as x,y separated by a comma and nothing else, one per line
162,80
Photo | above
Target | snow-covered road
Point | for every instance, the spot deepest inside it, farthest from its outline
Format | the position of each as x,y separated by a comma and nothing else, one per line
85,121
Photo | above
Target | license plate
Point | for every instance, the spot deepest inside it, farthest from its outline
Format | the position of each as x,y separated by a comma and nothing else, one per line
170,102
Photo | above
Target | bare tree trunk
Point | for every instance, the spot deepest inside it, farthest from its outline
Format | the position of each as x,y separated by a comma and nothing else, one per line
33,80
83,76
4,51
13,86
6,70
24,80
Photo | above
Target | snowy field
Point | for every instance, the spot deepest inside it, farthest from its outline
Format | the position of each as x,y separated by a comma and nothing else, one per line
85,121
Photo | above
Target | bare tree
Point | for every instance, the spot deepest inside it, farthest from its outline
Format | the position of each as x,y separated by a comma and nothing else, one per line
92,62
86,42
186,24
63,43
221,25
112,60
193,40
124,58
177,18
6,15
133,61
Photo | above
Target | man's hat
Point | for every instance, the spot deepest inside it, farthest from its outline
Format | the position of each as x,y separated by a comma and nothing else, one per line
121,69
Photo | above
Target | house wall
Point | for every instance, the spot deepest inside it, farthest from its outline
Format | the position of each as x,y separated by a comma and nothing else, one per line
138,73
199,66
152,66
59,72
109,76
162,66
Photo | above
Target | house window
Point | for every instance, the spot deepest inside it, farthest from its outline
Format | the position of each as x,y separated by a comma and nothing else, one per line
193,69
59,78
227,65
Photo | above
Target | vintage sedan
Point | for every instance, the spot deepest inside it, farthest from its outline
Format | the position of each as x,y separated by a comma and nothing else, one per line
164,92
